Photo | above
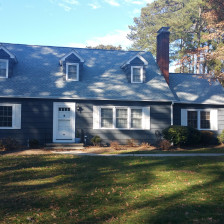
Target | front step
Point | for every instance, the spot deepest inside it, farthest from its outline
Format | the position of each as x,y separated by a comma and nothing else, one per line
64,146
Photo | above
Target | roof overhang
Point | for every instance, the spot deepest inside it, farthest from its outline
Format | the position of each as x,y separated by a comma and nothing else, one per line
131,59
70,53
12,56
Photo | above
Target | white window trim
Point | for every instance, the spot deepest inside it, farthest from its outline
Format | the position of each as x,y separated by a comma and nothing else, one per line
141,73
77,64
97,117
7,68
213,120
16,115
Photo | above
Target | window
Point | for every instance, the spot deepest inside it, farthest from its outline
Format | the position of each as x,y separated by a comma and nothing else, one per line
5,116
3,68
121,118
111,117
200,119
192,119
205,119
72,71
136,74
10,116
136,118
106,118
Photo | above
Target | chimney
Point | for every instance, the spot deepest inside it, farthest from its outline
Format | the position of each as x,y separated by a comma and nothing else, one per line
162,57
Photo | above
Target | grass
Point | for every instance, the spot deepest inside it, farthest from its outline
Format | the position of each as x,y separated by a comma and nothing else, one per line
153,150
71,189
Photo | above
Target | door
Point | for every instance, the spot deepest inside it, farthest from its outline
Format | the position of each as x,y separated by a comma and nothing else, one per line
64,122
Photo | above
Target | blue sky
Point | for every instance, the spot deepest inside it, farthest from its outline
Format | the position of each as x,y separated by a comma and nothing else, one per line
76,23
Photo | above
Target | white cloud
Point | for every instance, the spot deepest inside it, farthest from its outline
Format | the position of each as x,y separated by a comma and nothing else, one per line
79,45
116,38
65,7
138,2
95,5
112,2
71,2
136,11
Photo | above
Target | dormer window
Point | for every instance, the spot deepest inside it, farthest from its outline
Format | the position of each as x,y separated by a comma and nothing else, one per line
72,71
72,64
136,74
4,64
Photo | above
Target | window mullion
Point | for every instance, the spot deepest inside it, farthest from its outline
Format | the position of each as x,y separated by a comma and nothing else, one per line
129,117
114,117
199,119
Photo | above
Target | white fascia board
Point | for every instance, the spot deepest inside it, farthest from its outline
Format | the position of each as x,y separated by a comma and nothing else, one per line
136,56
72,52
12,56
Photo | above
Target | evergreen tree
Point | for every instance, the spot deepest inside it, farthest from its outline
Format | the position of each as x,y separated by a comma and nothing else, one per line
184,17
105,47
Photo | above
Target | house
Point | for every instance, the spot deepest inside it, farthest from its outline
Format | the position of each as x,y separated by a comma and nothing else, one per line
49,93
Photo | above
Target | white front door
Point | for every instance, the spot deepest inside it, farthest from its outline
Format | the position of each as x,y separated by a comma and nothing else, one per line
64,122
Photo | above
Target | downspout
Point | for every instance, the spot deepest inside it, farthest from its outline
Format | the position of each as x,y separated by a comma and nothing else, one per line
171,113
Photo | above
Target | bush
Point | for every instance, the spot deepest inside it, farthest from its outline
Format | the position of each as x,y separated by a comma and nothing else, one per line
9,144
221,137
208,138
165,144
96,140
34,143
115,145
182,135
145,145
132,143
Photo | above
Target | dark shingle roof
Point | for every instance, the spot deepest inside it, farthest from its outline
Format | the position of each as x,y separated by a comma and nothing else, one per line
39,74
196,89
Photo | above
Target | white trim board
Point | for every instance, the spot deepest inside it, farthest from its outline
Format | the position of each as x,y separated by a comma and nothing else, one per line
7,68
56,105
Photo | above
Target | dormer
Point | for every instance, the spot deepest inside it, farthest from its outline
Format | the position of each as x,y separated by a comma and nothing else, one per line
7,61
135,69
72,64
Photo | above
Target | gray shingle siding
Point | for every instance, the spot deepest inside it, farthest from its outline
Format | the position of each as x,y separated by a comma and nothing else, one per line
37,121
38,80
220,108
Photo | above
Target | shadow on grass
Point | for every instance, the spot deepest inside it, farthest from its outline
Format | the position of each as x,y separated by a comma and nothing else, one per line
96,189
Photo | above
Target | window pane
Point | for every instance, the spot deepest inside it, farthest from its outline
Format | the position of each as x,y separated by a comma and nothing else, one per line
5,116
136,75
121,118
72,72
3,66
192,119
106,118
205,119
136,118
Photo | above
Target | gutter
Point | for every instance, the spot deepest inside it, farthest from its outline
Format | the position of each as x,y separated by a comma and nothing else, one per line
171,113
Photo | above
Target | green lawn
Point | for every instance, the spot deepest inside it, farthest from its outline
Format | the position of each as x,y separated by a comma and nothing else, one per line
129,150
70,189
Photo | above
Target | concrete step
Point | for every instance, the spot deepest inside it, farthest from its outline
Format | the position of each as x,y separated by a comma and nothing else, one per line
64,146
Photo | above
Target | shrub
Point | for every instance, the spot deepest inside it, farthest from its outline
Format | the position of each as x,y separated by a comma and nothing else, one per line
165,144
132,143
34,143
182,135
145,145
221,137
96,140
115,145
158,135
208,138
9,144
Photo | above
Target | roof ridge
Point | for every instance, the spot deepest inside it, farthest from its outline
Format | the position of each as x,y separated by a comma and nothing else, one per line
69,47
